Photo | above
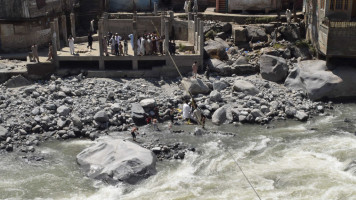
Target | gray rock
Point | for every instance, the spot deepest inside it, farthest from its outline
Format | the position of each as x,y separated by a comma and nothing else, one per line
219,116
302,52
195,86
319,82
301,115
17,81
137,114
116,107
245,87
3,133
77,122
215,96
199,131
290,112
63,110
101,117
219,85
148,103
220,67
256,33
36,111
217,49
115,160
290,33
273,68
257,113
156,150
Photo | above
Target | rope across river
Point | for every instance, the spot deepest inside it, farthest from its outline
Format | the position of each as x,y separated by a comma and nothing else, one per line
191,96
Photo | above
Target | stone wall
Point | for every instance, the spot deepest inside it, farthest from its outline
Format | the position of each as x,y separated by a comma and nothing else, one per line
252,5
181,30
19,36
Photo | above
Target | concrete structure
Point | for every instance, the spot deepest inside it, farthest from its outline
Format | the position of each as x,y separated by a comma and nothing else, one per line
190,32
331,27
25,22
225,6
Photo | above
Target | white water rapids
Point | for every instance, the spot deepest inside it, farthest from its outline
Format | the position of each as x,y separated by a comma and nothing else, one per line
292,160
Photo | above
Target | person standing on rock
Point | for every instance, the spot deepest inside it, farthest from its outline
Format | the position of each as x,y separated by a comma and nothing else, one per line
288,16
50,52
71,44
34,50
186,111
134,131
195,69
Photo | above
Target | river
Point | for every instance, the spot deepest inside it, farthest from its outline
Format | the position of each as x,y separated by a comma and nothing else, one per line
287,160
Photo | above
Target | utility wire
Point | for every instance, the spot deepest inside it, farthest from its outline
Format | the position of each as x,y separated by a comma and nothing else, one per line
233,158
191,96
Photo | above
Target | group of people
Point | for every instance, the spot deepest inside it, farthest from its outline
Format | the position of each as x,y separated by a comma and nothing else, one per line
34,53
188,7
119,45
150,44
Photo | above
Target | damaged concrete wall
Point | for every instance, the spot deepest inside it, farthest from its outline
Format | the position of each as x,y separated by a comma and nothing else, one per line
252,5
125,5
19,36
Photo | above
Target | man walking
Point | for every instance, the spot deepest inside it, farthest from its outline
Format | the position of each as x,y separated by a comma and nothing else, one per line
34,50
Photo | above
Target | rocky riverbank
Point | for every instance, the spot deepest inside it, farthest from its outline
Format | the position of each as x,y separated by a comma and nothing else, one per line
72,107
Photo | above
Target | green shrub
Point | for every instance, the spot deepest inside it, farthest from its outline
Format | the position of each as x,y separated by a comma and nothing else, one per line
210,34
181,47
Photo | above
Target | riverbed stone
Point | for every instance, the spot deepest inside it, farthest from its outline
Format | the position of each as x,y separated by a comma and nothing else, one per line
219,116
101,117
63,110
116,160
148,103
273,68
195,86
3,133
318,81
137,114
245,87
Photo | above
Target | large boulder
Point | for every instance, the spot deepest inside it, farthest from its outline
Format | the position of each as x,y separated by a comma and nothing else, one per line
115,160
17,81
273,68
215,96
290,32
220,85
255,33
301,51
245,87
195,86
220,67
3,133
138,114
148,103
101,117
217,49
219,116
314,77
241,67
239,34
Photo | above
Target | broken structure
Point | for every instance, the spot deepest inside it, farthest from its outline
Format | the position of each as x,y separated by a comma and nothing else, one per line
331,27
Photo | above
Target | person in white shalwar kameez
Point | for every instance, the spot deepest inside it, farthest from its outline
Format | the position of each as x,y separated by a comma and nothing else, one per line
139,46
186,111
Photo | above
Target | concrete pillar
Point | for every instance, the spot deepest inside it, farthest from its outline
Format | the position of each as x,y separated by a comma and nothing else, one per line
171,16
54,44
64,29
100,36
134,26
155,8
106,19
72,24
162,24
166,46
202,37
56,28
190,16
196,23
135,16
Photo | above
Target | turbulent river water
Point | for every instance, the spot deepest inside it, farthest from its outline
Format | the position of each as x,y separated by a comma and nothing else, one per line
288,160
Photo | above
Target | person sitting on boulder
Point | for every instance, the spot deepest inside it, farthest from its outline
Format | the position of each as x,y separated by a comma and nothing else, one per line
134,131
